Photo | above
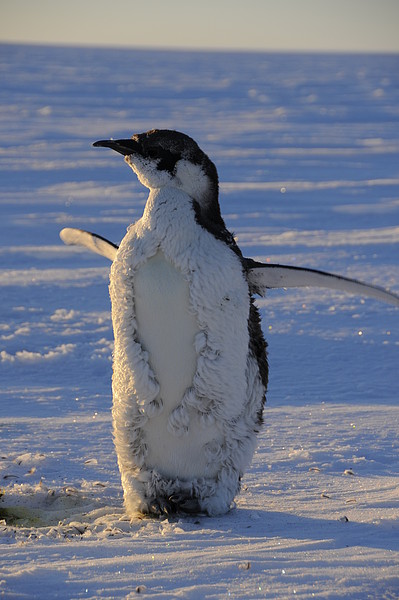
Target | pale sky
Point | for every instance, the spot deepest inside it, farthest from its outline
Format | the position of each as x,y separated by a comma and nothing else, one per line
337,25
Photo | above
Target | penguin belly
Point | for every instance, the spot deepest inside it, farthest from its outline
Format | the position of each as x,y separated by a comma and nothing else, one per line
166,329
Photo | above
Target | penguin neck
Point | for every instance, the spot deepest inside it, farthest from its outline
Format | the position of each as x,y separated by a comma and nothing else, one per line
165,202
169,202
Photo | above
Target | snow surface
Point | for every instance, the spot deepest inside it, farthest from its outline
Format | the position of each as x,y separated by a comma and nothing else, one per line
307,148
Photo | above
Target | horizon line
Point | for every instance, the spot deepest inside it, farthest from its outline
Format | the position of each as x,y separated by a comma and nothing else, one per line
210,49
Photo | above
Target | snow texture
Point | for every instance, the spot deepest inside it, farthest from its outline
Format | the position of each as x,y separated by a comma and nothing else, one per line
307,152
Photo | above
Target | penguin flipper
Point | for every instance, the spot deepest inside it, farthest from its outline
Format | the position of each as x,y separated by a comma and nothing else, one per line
262,277
91,241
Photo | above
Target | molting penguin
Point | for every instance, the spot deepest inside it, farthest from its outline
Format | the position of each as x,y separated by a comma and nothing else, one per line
190,365
190,368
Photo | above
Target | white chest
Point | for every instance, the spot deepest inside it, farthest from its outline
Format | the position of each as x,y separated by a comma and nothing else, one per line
166,328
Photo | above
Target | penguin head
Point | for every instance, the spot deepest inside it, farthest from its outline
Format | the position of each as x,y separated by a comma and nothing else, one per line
164,158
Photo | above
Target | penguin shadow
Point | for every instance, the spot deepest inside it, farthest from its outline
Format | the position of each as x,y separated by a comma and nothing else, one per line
330,533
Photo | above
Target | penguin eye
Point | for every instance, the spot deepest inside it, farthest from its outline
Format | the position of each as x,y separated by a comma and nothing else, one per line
156,152
166,160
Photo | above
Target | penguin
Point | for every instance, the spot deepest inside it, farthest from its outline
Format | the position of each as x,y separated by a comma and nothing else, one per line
190,367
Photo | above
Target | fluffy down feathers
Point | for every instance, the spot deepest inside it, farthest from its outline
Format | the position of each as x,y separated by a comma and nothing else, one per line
208,435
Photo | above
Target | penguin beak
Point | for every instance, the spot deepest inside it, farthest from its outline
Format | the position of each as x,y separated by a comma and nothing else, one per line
125,147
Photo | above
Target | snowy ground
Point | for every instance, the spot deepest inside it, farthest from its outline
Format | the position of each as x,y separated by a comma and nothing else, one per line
307,149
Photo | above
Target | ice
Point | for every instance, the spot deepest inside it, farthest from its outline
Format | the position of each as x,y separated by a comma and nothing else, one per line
307,151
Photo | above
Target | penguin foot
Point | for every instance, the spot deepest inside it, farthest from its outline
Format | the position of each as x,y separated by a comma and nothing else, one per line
174,505
185,504
159,507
